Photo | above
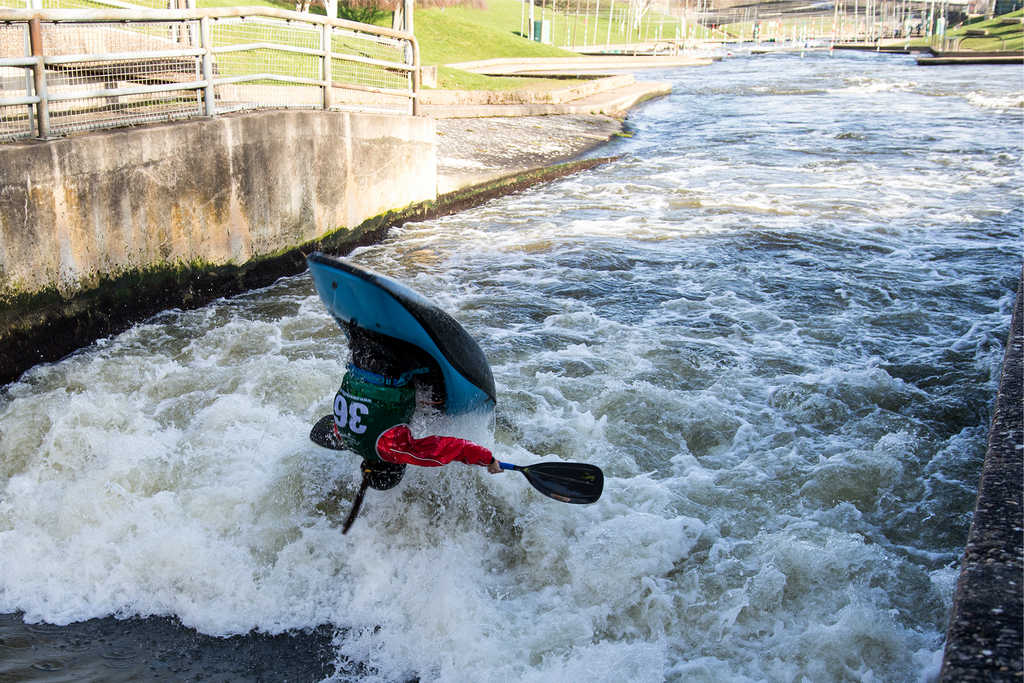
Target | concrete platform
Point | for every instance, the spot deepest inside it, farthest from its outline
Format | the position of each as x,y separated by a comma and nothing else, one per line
534,66
967,58
611,103
608,91
472,151
486,136
984,641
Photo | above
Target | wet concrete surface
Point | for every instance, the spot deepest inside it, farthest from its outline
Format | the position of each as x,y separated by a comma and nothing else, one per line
984,641
476,150
157,649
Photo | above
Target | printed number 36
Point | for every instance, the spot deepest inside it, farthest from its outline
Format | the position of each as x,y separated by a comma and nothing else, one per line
350,413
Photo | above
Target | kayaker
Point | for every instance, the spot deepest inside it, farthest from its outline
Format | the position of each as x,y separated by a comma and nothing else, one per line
372,410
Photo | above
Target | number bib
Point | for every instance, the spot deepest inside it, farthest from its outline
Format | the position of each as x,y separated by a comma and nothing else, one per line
363,411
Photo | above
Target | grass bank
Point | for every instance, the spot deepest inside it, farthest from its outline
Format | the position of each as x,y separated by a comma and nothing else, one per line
463,34
1002,33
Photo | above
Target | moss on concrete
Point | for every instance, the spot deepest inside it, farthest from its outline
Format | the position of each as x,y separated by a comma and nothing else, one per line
44,326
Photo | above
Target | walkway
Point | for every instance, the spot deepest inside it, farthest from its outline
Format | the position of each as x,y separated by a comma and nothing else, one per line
485,135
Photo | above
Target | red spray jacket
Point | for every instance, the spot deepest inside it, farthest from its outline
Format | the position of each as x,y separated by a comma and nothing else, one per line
398,445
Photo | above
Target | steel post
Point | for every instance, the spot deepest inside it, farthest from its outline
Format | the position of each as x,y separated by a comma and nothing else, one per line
35,36
209,101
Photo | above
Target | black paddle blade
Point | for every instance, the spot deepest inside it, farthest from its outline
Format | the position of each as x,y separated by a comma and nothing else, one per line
569,482
323,434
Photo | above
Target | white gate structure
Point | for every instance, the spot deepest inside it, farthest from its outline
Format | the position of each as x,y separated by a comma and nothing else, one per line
70,70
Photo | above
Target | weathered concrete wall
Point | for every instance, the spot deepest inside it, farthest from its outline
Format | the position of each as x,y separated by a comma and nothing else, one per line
985,640
216,191
262,186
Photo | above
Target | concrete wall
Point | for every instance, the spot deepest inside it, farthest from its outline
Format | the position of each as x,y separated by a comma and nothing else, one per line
102,231
985,640
218,191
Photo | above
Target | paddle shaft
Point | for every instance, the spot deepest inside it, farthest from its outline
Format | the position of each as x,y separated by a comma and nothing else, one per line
356,504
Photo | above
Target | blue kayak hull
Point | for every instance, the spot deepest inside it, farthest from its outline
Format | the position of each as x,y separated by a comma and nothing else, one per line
355,295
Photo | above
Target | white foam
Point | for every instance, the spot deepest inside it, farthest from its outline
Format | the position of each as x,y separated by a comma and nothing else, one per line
765,345
1009,101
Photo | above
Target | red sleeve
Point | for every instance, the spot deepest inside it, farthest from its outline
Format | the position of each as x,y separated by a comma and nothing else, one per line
397,445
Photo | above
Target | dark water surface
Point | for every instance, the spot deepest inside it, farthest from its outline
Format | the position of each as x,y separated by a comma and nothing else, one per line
161,649
776,323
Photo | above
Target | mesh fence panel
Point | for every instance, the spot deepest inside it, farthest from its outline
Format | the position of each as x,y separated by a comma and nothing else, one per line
266,48
367,47
13,40
91,4
102,75
15,82
79,90
15,120
143,36
111,112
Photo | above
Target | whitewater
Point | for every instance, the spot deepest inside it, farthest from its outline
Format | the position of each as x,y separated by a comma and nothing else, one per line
775,321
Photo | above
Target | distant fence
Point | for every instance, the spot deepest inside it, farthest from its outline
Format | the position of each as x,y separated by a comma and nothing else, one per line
98,4
70,70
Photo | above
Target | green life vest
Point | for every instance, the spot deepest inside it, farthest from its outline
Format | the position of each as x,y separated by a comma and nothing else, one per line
365,409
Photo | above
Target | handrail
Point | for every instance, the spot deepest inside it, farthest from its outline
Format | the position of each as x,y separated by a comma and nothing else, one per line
201,51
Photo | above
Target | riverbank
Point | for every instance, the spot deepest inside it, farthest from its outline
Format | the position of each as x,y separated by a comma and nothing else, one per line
480,150
484,136
475,157
984,641
45,327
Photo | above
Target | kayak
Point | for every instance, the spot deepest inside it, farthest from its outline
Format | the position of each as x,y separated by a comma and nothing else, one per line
358,296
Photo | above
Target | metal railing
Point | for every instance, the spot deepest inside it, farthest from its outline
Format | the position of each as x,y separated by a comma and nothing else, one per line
97,4
64,71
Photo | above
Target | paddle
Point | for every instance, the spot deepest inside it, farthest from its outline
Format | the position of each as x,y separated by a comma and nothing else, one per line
356,504
569,482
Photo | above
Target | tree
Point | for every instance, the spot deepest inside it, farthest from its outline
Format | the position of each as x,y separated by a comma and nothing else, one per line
371,11
364,11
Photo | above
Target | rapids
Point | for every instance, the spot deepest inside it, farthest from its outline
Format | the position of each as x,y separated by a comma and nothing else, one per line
775,321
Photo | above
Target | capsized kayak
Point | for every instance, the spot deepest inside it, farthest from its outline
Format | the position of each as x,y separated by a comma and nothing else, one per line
356,295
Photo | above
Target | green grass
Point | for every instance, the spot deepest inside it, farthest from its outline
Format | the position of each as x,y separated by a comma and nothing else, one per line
461,34
455,34
464,34
449,78
1000,36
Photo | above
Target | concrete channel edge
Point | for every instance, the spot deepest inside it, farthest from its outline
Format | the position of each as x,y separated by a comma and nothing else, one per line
47,326
984,641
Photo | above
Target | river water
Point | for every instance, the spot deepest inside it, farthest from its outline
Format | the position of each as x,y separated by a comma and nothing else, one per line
776,322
